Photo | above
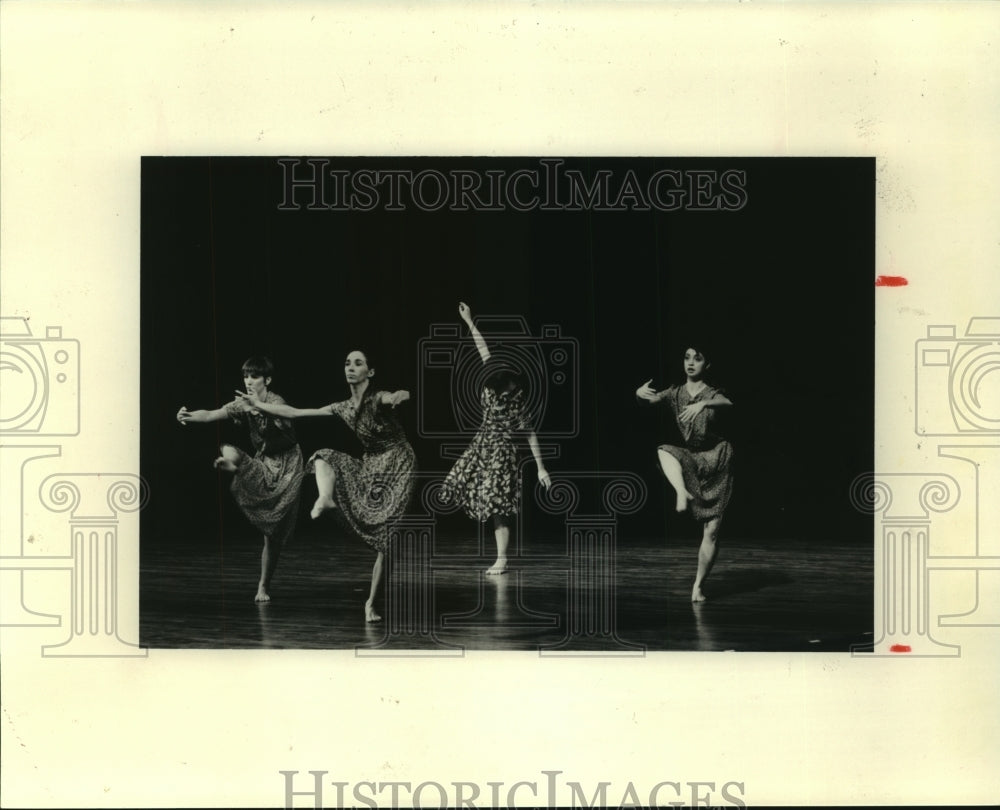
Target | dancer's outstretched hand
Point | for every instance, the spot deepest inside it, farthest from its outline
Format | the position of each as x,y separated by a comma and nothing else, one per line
543,478
250,399
183,415
464,312
645,391
393,399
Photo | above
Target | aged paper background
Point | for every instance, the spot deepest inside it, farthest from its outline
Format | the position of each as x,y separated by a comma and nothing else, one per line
87,88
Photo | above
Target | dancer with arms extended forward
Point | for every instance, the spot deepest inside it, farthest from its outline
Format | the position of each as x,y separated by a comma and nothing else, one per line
370,492
266,485
700,471
484,480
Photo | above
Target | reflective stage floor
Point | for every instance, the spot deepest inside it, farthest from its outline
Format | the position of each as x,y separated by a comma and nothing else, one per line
621,599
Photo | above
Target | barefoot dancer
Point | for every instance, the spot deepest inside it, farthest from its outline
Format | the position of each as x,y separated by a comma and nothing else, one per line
266,485
700,471
484,480
371,492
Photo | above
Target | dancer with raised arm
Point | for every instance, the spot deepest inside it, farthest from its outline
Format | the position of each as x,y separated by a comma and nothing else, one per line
266,485
370,492
484,480
700,471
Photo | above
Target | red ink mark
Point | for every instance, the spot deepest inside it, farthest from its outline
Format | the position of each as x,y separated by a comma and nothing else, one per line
891,281
900,648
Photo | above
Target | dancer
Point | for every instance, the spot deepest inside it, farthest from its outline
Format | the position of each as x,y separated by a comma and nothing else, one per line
484,479
371,492
701,471
266,485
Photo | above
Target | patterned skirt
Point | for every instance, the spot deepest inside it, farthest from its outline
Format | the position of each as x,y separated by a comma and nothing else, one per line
371,492
484,480
267,489
708,476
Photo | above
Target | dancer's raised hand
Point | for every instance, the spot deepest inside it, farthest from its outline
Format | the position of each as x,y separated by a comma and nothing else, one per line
645,391
248,398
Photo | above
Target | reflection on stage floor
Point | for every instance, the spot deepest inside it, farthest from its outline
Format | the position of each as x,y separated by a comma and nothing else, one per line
762,596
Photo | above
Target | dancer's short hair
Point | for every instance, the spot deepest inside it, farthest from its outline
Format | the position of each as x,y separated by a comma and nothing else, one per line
258,366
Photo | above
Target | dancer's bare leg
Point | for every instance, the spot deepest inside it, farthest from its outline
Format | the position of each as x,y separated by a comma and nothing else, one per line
324,483
268,562
229,460
675,475
273,544
501,530
706,557
378,571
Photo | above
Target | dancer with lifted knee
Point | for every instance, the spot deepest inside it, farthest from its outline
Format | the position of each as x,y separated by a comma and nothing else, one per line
700,471
367,493
484,480
265,485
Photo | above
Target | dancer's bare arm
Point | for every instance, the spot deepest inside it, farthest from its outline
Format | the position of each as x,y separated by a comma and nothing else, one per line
281,409
393,398
543,475
695,408
646,392
184,415
466,315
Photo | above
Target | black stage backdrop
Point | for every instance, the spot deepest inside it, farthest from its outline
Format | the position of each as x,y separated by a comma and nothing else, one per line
781,288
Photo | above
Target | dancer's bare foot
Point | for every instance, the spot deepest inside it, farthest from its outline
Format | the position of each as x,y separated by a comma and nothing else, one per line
682,500
370,613
499,567
223,463
697,595
323,504
261,595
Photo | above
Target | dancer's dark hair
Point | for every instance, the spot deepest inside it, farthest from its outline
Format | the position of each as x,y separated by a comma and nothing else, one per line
258,366
500,375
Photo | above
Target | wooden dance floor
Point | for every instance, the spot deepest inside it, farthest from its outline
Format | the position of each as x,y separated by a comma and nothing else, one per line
762,596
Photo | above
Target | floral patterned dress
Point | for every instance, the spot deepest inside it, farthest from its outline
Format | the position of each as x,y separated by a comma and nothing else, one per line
484,481
374,490
706,459
267,485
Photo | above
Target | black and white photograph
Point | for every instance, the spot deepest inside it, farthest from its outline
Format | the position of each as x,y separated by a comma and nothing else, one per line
498,405
551,403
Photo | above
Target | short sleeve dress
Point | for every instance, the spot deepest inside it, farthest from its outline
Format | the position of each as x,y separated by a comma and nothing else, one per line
706,458
484,480
372,491
267,485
